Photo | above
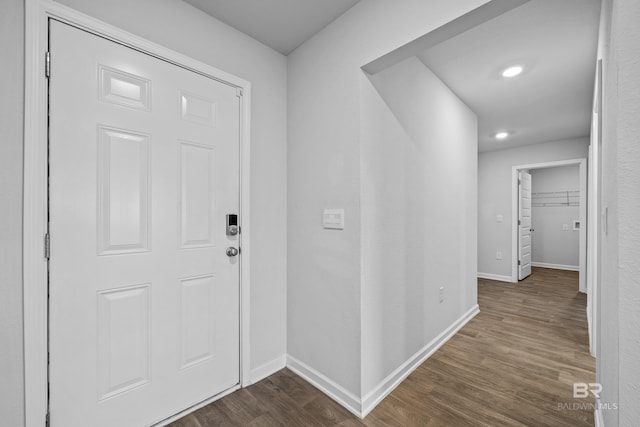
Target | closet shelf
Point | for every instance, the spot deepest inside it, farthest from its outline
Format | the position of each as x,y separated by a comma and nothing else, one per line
555,199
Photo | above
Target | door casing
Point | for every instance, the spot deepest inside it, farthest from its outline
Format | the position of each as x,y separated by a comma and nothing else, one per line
582,163
35,266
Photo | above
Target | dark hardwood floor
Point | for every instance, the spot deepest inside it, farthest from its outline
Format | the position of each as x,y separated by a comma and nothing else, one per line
514,364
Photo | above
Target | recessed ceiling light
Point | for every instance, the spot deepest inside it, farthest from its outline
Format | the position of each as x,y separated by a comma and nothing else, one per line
502,135
512,71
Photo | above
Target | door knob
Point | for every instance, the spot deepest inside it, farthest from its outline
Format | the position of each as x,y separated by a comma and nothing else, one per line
231,251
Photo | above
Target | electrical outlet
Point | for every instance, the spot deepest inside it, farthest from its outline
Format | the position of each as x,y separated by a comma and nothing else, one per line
565,227
441,294
499,218
499,255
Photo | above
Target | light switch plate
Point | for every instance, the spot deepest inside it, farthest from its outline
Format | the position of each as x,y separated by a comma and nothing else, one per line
333,219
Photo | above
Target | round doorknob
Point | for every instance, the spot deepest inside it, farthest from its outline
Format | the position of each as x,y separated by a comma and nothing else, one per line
231,251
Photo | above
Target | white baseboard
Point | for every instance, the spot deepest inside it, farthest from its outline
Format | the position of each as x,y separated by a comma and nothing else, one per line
269,368
329,387
556,266
597,414
362,408
386,386
495,277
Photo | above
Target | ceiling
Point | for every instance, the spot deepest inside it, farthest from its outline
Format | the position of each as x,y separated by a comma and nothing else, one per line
554,40
551,100
280,24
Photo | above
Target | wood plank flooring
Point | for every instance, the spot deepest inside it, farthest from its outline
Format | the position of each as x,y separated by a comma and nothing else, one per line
513,365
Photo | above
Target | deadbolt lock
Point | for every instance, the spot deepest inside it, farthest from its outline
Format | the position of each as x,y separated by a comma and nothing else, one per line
232,225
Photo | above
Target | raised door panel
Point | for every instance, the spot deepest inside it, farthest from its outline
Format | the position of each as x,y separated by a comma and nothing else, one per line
197,320
123,191
197,190
123,340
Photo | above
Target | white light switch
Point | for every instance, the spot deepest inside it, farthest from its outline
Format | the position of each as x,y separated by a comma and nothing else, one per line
333,219
565,227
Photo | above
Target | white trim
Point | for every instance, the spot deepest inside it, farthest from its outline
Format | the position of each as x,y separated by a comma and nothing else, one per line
197,406
386,386
583,214
599,420
597,415
34,211
556,266
267,369
35,207
362,407
245,234
329,387
582,257
497,277
593,212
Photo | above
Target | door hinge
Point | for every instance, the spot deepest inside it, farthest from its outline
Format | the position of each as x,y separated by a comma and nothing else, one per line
47,64
519,182
239,92
518,262
519,222
47,246
47,420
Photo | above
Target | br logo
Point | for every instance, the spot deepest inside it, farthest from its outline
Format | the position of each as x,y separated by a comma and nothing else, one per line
582,390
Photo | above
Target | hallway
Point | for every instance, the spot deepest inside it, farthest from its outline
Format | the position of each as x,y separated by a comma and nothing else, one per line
514,364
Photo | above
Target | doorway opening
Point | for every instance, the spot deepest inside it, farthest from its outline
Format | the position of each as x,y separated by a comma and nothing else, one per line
572,200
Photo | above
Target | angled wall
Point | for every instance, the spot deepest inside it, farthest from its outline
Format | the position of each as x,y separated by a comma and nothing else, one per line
325,84
419,220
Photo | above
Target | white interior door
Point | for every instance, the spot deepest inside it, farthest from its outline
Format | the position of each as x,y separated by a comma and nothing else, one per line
144,301
524,225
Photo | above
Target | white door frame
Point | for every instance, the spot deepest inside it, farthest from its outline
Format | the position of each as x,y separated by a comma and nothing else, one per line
595,181
37,13
583,215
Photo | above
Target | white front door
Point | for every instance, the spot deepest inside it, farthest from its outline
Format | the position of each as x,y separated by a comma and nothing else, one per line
144,168
524,228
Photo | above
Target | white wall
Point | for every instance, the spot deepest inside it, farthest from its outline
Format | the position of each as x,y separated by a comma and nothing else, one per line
494,196
627,33
419,214
617,368
11,111
608,361
324,92
551,243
